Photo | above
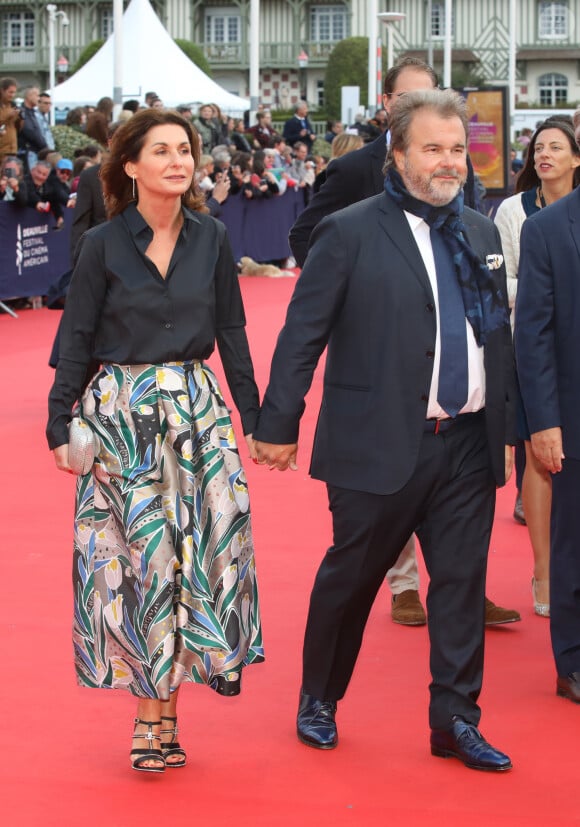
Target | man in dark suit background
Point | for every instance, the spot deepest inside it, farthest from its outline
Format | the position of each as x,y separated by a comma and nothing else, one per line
89,208
298,127
547,338
404,441
350,179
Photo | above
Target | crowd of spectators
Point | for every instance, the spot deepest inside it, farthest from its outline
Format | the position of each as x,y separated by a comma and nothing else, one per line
40,164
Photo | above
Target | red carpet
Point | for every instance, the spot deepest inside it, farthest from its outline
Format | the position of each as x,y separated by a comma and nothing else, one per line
64,751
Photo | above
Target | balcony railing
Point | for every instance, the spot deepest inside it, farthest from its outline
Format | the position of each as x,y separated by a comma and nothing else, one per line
272,55
282,55
36,58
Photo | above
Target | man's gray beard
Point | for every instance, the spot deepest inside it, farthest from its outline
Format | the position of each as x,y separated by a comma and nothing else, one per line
427,194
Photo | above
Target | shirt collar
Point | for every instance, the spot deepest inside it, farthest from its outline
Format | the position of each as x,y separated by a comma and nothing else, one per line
414,220
138,226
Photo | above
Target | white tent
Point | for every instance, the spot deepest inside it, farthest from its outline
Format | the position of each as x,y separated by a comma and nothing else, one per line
151,61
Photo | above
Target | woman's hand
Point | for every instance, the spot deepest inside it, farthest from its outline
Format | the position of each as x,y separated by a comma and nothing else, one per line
251,446
61,458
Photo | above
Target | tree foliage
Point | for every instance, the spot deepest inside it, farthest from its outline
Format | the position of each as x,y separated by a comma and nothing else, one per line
191,50
347,66
195,54
86,54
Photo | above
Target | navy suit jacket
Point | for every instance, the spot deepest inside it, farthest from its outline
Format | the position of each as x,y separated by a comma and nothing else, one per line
89,208
293,128
547,326
364,293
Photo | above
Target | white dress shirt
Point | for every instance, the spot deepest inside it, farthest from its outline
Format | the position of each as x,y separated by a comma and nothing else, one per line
476,371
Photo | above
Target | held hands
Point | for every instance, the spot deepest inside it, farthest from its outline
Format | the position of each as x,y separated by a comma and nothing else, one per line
547,447
281,457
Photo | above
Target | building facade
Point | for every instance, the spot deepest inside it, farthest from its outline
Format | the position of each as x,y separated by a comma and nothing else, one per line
297,36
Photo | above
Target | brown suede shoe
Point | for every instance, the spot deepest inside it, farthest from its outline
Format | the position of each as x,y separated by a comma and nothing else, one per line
496,615
407,610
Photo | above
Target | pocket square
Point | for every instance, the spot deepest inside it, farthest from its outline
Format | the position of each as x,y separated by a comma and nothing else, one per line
494,261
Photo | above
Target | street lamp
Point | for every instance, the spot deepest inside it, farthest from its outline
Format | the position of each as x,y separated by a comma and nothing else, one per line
303,65
390,17
62,65
53,15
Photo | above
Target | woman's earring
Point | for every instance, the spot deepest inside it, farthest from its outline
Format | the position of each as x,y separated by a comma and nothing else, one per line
133,179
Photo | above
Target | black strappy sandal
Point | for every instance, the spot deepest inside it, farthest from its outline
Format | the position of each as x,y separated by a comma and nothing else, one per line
170,748
139,756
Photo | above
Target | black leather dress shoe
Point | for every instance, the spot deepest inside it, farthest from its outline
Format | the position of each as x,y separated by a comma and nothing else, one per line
465,741
315,724
569,687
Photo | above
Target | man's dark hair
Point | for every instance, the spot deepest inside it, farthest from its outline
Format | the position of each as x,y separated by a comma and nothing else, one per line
132,105
414,63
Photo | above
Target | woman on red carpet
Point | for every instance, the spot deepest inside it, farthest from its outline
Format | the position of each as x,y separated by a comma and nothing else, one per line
164,578
551,171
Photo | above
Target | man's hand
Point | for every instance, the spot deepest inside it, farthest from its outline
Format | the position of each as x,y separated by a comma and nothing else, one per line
509,461
547,447
277,456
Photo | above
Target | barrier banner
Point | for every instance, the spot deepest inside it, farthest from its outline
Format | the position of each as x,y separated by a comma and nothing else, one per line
259,228
32,253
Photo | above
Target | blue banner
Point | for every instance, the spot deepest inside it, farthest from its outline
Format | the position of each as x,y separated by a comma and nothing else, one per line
32,253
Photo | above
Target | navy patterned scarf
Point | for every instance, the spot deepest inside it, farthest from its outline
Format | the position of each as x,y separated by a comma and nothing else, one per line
483,302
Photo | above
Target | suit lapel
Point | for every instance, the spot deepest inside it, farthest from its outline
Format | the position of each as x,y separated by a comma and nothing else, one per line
392,220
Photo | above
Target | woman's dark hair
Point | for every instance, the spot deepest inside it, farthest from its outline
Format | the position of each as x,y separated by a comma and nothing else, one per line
528,178
259,164
243,160
91,150
126,145
105,107
79,164
74,117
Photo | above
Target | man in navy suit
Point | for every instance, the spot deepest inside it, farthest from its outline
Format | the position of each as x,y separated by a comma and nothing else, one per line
412,436
299,128
355,176
547,337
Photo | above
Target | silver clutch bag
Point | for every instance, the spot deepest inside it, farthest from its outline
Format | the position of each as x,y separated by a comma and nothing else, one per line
81,446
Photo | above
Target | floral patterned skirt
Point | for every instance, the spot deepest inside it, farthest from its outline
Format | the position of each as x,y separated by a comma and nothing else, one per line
164,577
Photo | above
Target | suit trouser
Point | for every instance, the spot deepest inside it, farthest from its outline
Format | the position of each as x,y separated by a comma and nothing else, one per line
565,568
449,501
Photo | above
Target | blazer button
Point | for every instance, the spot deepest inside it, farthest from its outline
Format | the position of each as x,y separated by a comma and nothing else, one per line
424,398
430,354
168,325
429,307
